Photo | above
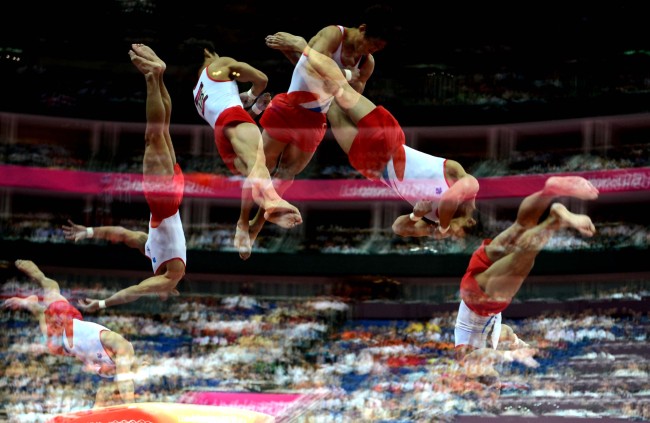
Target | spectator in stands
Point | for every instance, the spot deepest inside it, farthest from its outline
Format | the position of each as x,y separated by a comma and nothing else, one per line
498,268
441,192
102,351
163,186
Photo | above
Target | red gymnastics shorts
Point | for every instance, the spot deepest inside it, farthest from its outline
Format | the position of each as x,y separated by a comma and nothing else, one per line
164,194
380,138
477,300
232,116
289,123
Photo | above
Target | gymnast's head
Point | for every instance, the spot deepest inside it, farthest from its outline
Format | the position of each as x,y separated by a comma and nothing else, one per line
197,53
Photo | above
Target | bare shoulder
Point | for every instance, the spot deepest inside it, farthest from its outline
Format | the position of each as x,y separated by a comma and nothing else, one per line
220,68
454,170
470,185
222,62
327,39
115,341
110,338
225,60
330,31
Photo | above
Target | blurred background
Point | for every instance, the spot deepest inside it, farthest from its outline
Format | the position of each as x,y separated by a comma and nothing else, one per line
514,92
497,62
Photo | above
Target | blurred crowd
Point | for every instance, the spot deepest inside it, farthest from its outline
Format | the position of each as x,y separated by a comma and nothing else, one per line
593,362
334,238
55,156
361,370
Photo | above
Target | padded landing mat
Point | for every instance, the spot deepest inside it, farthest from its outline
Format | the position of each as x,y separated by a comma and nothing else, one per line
159,412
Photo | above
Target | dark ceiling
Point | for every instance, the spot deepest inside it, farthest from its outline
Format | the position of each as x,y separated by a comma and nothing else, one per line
92,38
102,30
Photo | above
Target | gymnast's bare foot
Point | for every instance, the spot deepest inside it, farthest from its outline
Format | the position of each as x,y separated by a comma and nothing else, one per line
572,186
285,41
255,226
145,66
29,268
282,214
580,222
242,241
147,53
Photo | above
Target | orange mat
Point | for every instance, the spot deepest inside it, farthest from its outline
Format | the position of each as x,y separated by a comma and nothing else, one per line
160,412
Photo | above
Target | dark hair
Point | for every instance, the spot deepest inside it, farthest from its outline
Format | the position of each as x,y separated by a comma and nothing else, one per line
380,22
191,52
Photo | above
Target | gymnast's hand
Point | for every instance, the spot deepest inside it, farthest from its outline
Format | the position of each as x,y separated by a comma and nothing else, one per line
88,304
75,232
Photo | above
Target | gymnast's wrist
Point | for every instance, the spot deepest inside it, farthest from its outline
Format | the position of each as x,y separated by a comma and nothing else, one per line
102,304
90,232
414,218
122,377
258,110
250,94
348,74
